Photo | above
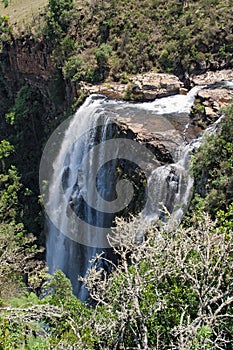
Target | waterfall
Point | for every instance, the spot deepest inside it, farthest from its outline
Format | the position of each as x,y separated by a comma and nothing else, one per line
169,190
80,178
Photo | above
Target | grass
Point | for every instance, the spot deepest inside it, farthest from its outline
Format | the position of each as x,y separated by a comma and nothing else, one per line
22,11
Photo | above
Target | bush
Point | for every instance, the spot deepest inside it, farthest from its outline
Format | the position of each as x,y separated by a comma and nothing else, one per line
212,166
176,292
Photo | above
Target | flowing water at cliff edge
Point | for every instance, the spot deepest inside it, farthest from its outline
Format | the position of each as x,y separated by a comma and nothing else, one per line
84,178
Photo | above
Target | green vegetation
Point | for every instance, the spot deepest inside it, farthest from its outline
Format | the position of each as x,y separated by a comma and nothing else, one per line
18,249
26,132
173,36
175,289
5,30
57,20
213,168
116,37
21,12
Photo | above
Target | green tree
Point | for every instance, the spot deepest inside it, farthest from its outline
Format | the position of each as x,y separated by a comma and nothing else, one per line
26,135
5,3
18,250
58,19
5,29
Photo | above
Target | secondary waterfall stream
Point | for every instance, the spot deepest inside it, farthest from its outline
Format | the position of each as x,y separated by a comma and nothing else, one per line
86,187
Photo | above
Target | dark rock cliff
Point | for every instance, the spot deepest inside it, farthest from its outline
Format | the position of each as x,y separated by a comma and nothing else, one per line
27,61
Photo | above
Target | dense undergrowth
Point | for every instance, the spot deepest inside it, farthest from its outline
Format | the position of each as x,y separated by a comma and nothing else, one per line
111,38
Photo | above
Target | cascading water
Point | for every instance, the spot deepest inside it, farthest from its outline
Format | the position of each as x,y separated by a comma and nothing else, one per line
169,191
84,196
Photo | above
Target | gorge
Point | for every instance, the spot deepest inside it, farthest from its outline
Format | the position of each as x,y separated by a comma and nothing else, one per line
116,174
86,163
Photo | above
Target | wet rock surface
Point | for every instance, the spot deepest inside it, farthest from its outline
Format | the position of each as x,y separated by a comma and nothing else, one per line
157,134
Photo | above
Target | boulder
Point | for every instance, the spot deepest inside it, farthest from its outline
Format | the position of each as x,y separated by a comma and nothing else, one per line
208,106
183,91
209,112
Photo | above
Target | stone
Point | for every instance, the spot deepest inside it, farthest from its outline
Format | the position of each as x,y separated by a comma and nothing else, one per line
141,87
212,77
216,106
183,91
209,111
158,134
217,98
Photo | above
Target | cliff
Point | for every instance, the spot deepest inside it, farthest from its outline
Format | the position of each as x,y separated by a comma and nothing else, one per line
28,61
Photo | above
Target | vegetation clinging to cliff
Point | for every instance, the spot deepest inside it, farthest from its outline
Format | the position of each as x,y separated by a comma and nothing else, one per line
213,168
178,36
174,36
189,301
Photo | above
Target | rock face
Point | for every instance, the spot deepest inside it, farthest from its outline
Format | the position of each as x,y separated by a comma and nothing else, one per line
211,77
30,58
162,134
159,135
215,99
210,100
27,61
142,87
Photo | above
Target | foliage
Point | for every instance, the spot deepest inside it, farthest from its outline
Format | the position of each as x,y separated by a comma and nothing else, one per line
5,29
213,169
26,135
94,70
177,292
172,289
58,320
18,250
74,68
9,187
175,288
57,19
5,2
5,150
177,36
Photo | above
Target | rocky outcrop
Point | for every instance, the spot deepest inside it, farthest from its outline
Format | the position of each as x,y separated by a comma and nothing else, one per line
212,77
211,100
158,135
142,87
215,99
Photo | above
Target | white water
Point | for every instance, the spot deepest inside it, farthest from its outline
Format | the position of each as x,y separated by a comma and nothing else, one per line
169,190
172,104
71,243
